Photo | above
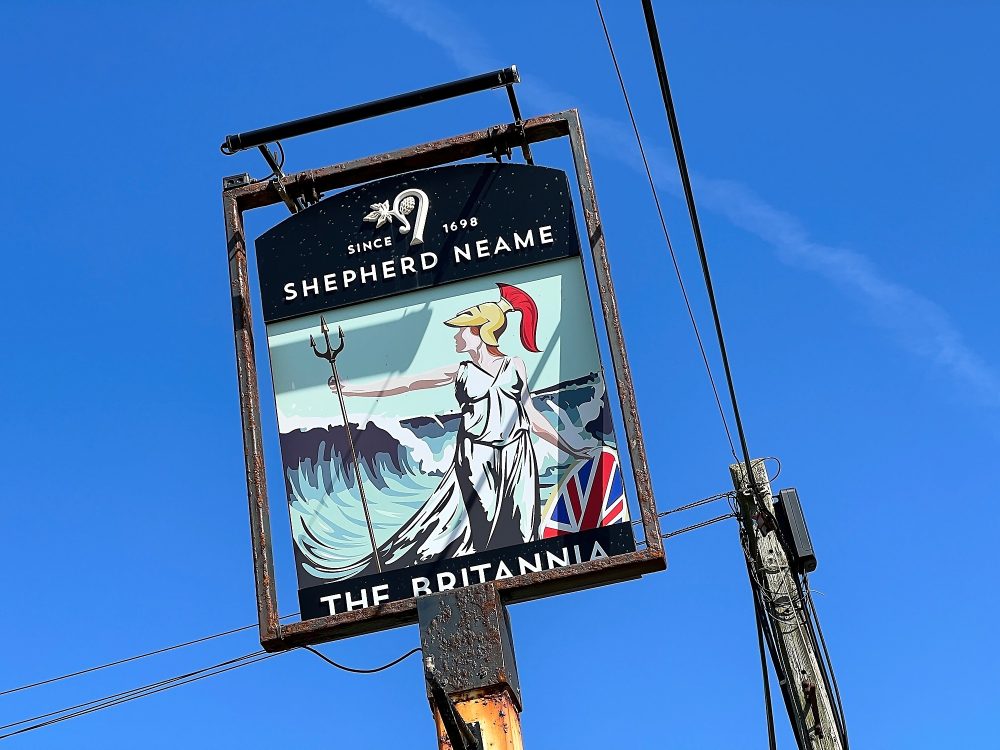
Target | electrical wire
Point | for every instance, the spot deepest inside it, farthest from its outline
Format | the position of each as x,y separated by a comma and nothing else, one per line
692,211
131,691
700,525
675,134
355,670
689,506
126,660
666,234
142,691
828,665
772,742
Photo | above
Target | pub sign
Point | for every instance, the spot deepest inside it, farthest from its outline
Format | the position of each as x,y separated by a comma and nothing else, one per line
443,411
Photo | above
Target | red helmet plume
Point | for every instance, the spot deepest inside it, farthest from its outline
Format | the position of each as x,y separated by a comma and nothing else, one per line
520,300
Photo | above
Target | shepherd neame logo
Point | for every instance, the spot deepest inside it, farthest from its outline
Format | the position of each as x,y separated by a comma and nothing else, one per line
402,207
404,204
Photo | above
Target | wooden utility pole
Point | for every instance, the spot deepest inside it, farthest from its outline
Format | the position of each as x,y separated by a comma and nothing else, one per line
470,670
807,695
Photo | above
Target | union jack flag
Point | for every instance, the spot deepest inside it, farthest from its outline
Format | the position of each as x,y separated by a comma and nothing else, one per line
592,495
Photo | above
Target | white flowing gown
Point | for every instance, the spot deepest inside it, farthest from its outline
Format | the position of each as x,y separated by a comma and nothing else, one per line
488,499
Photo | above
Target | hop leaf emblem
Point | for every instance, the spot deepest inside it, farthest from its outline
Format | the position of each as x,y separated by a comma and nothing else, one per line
380,214
407,205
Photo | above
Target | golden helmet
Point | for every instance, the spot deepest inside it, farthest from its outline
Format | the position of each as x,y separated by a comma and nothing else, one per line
491,317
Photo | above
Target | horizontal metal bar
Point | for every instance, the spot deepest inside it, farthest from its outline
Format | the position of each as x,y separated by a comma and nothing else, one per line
483,82
512,590
422,156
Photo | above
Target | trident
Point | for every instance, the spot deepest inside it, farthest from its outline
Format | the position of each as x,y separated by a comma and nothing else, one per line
330,355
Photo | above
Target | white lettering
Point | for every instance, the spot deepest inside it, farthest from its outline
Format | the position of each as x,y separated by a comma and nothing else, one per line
501,245
406,266
330,282
450,577
465,254
524,566
368,273
349,278
483,248
552,559
481,570
465,576
545,235
576,553
529,240
330,602
307,287
360,603
388,269
503,571
290,292
421,585
380,594
428,261
598,552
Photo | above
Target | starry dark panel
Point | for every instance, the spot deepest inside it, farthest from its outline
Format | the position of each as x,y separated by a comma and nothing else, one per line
480,219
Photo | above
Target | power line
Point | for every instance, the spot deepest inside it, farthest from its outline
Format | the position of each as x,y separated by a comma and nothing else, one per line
129,692
700,525
666,234
675,134
355,670
126,660
827,664
689,506
142,691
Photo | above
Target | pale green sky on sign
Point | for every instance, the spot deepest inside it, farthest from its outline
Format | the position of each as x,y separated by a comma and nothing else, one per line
407,334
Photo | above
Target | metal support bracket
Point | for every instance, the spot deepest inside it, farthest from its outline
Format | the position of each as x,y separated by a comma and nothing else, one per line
278,179
498,142
466,640
518,126
469,667
462,736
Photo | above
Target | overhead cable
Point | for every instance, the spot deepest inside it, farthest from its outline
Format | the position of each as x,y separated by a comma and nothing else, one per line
356,670
675,134
142,691
89,707
126,660
666,234
694,526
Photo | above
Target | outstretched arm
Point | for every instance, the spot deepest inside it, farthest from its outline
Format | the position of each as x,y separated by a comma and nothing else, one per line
541,426
401,383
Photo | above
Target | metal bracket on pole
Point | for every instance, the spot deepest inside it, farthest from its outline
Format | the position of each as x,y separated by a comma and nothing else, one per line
461,735
519,125
299,202
470,670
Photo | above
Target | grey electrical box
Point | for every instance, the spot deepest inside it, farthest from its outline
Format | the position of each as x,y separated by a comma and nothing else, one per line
792,523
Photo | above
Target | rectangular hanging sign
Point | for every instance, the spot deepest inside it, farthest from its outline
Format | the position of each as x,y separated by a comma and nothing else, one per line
442,405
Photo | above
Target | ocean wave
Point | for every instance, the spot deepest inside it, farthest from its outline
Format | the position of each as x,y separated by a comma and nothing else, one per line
401,462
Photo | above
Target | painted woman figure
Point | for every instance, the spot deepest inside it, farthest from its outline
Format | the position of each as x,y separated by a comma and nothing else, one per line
488,498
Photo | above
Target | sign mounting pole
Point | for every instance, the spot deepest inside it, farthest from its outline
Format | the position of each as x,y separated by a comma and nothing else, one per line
330,355
470,669
807,699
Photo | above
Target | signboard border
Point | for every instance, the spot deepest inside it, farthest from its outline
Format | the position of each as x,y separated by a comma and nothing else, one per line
275,636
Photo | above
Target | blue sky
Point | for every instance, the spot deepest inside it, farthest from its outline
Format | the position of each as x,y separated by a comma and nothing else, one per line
845,166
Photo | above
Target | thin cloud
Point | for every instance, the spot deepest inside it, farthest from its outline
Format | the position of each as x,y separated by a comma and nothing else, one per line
918,324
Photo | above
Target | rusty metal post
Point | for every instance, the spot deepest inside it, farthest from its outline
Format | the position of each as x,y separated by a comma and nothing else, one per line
471,674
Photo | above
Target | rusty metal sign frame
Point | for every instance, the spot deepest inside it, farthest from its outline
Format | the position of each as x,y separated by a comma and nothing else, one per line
275,636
